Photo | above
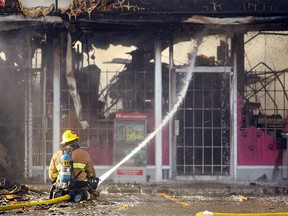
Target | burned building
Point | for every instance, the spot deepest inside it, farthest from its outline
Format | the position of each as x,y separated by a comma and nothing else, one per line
113,70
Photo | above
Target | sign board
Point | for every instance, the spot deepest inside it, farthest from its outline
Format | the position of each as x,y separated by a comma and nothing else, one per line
130,175
129,130
130,172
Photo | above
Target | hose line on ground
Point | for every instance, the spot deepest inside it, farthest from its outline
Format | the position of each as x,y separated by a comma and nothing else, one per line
35,203
207,213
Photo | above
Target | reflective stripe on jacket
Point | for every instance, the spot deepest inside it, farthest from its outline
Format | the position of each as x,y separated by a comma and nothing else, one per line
81,162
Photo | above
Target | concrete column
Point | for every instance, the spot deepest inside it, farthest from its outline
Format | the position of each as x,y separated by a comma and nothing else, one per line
56,95
44,128
28,115
233,110
30,126
172,96
158,110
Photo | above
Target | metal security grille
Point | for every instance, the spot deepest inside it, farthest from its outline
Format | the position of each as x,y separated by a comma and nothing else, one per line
129,93
203,143
35,144
265,93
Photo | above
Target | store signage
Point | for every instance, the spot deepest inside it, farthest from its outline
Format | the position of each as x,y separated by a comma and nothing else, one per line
131,116
130,172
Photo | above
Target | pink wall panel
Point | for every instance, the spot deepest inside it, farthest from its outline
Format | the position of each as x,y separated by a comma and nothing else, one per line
255,147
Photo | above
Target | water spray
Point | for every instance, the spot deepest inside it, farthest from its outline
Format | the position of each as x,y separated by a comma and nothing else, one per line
166,119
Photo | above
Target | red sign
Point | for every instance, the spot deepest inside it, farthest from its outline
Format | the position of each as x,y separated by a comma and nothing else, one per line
131,116
2,3
130,172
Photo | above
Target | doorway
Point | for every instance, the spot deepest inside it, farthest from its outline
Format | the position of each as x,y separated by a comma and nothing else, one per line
203,142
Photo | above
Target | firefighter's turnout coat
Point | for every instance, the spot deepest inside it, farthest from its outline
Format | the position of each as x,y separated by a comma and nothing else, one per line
82,163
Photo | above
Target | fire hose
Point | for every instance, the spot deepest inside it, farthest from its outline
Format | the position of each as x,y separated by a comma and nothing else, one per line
35,203
207,213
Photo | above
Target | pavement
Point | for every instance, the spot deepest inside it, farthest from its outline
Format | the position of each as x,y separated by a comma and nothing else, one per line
181,188
200,188
167,198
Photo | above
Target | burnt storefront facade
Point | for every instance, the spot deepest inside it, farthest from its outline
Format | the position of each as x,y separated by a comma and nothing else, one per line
80,65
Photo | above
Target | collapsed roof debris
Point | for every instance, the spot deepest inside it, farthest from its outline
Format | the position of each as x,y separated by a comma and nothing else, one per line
36,12
219,21
11,191
78,7
81,7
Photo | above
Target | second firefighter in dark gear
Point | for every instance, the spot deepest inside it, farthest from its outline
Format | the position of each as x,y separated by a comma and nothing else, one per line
71,170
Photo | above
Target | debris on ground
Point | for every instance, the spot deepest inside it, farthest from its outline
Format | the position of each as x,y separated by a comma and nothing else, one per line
12,193
17,194
239,198
262,178
116,199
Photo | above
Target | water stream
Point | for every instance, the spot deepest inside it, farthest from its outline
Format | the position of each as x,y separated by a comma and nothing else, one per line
165,120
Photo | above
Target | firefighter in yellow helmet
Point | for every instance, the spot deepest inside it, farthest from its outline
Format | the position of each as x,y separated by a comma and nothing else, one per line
71,170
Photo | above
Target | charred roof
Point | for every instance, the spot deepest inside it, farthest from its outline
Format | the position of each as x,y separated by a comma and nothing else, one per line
90,15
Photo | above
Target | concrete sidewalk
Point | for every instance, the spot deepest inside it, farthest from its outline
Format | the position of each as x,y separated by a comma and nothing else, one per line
200,188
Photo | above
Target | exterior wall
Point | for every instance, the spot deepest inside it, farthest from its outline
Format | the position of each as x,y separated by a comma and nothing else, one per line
262,108
251,163
260,173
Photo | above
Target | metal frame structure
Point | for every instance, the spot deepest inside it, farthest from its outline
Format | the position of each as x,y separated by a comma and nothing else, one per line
194,161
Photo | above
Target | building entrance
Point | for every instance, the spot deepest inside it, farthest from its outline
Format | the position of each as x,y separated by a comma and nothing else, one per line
203,140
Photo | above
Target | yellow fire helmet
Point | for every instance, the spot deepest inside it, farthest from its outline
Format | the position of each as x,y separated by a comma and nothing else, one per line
69,136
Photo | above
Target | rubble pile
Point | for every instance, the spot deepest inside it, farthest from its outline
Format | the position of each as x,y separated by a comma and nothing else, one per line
14,194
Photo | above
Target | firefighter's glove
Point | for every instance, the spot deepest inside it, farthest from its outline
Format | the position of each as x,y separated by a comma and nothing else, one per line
93,181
